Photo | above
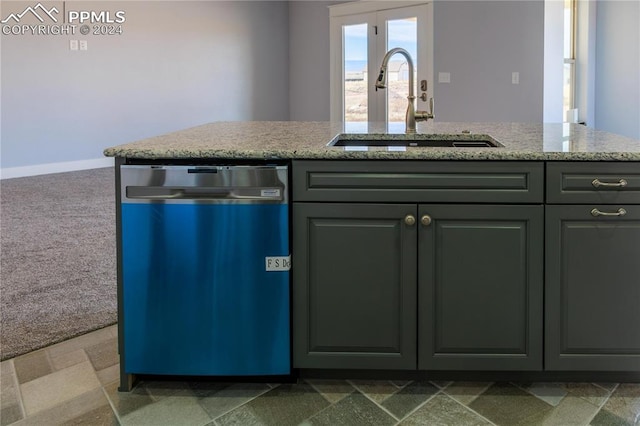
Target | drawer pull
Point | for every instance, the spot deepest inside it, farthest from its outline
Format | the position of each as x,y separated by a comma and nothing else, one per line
620,212
620,184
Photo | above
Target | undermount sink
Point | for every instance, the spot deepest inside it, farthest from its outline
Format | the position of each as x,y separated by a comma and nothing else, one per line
461,140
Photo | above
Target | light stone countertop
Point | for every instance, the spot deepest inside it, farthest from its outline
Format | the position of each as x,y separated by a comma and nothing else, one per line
308,140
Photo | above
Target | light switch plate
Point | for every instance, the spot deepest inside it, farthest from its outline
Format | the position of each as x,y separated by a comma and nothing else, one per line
444,77
515,77
73,44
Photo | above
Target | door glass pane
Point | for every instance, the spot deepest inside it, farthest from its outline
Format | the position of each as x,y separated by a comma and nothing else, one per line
355,76
400,33
567,91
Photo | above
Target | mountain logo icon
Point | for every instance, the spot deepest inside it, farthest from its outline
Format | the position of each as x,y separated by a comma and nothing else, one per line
38,11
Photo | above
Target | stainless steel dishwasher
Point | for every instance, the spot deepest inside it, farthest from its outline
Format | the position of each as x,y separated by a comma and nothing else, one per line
205,270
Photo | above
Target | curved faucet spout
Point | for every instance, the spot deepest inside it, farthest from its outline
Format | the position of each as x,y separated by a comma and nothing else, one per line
381,83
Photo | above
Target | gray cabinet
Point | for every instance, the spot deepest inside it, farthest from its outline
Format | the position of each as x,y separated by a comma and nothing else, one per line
592,283
480,287
378,286
592,289
354,286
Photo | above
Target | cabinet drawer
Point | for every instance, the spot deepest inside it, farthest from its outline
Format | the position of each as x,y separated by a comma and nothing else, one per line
418,181
603,183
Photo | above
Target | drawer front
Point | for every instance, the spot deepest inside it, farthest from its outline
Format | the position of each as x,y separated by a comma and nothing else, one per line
418,181
603,183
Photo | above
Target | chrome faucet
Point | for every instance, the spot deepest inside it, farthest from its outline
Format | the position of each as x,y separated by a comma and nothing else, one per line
381,83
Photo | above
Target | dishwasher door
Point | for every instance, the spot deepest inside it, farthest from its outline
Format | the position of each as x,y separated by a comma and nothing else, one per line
205,280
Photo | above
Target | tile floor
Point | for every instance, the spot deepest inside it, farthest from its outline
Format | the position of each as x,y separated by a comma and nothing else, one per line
75,383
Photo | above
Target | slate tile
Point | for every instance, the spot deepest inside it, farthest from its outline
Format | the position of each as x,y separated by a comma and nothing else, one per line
67,359
57,388
10,414
127,402
71,409
587,391
377,390
610,386
81,342
9,394
441,383
570,411
551,393
355,409
242,416
169,411
159,389
104,354
505,404
332,390
441,410
409,398
109,374
288,404
218,402
606,418
32,366
102,416
625,402
466,392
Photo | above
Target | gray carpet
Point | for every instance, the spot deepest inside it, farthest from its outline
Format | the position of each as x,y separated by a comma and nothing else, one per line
57,260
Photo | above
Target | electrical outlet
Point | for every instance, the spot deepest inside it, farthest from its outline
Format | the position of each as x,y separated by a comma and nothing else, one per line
73,44
84,45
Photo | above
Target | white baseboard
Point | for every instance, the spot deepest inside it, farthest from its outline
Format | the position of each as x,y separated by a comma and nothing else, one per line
44,169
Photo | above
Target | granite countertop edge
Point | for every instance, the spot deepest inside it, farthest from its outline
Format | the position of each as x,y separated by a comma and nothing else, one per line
422,154
308,141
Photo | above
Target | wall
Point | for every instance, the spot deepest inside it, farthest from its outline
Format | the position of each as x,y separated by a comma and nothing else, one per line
480,43
617,86
309,60
553,98
176,65
586,61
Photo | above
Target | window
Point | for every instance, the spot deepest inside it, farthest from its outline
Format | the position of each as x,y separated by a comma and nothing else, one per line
569,73
361,34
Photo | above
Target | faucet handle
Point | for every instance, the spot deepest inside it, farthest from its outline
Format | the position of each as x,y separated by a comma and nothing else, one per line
424,115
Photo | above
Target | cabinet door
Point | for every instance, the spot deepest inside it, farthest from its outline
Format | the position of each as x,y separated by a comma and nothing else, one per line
354,286
480,287
592,293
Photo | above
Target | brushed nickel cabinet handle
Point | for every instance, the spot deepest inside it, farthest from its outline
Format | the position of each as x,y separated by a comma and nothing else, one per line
410,220
598,183
425,220
620,212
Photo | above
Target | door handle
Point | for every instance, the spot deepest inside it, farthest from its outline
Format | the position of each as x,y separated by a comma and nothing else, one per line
598,183
426,220
620,212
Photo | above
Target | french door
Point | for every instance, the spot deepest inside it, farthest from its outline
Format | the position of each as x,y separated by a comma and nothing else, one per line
360,37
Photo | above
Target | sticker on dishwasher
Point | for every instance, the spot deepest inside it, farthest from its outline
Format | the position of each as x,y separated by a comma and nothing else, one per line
270,192
277,263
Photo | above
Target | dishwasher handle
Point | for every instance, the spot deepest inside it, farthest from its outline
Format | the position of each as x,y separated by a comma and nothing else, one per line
202,193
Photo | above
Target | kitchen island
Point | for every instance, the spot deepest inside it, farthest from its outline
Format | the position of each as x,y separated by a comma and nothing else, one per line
440,260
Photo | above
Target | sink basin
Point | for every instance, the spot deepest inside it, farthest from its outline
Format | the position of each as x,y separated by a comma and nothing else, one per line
461,140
